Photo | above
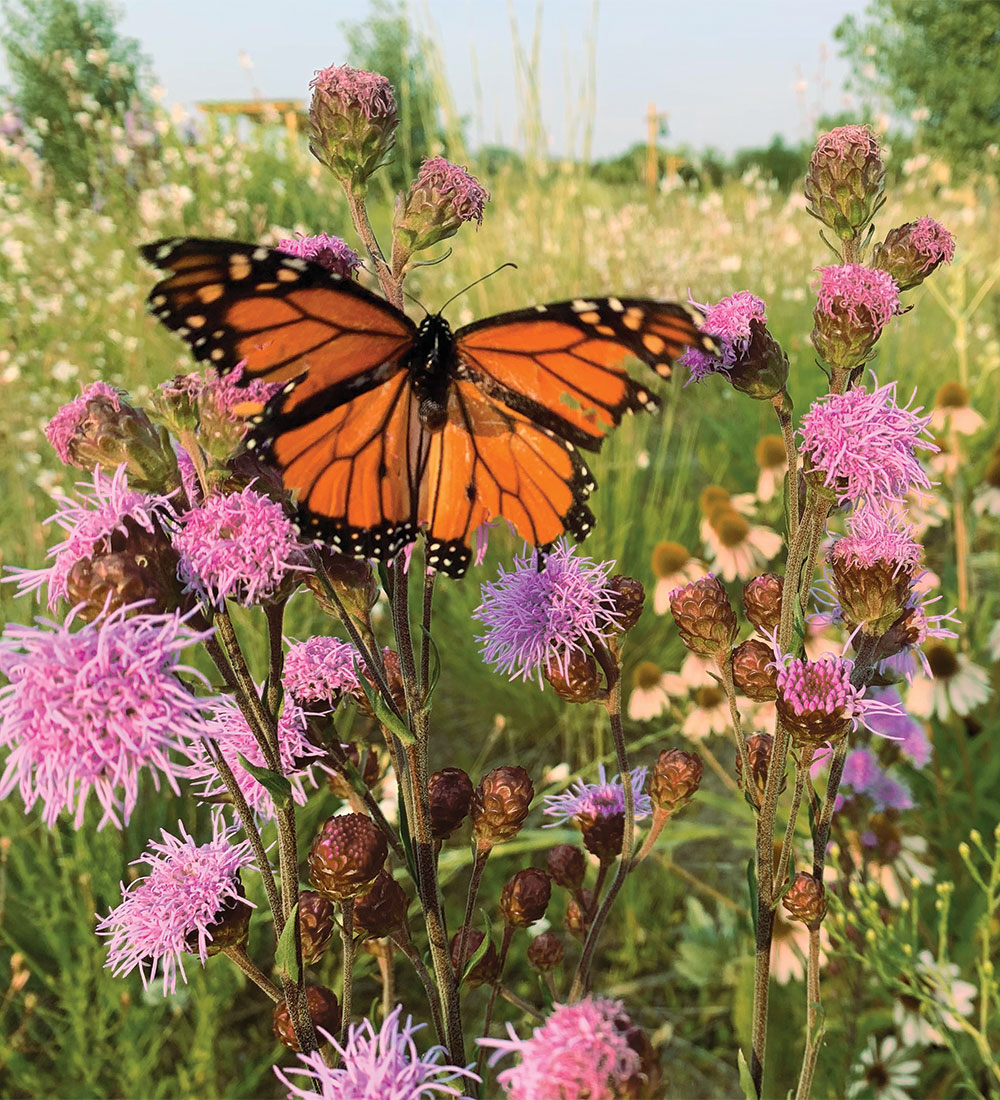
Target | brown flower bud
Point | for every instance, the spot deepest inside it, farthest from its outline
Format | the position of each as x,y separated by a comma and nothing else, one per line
753,670
487,969
628,598
368,769
704,617
806,899
579,681
602,833
525,897
324,1009
230,927
912,251
645,1082
759,747
316,925
346,855
845,184
579,915
761,369
500,804
382,911
353,582
762,601
545,952
873,591
450,792
674,779
567,865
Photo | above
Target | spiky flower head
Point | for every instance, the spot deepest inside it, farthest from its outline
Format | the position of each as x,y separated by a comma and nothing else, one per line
321,670
845,184
439,200
87,710
873,568
865,444
704,616
601,799
352,123
330,252
233,738
239,546
100,430
912,251
854,304
116,552
221,404
590,1048
376,1065
728,320
538,617
171,911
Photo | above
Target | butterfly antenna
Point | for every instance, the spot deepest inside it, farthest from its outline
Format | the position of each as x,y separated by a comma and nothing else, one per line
481,279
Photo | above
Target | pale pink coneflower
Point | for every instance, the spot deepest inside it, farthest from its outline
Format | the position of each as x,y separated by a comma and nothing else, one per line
673,566
884,1071
737,548
649,697
920,1023
952,411
950,684
708,715
773,465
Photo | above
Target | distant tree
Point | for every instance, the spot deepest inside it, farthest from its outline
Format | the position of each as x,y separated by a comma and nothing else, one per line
778,161
69,64
386,43
938,60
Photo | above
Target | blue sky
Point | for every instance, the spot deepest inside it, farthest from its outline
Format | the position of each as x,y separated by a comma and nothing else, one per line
725,72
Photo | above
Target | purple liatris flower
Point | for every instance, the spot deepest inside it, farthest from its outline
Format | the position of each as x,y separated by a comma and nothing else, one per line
88,710
896,725
729,322
228,728
329,252
912,251
376,1065
865,444
170,912
65,425
589,1049
599,799
320,669
238,546
439,200
352,122
106,518
535,617
854,303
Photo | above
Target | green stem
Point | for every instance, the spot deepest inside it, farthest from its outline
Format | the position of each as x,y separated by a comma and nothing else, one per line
347,938
814,1030
405,944
239,956
801,771
275,614
482,855
783,409
725,666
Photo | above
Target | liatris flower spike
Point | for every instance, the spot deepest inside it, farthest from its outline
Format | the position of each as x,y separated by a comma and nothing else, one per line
854,304
598,810
912,251
329,252
439,200
845,184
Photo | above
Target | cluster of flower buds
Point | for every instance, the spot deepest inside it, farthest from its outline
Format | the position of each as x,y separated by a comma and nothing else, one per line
438,202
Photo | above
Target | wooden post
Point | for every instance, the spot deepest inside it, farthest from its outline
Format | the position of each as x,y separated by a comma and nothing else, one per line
652,131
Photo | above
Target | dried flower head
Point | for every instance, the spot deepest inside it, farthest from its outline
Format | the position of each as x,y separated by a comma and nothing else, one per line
450,794
487,967
382,910
316,925
545,952
675,778
762,601
329,252
170,912
525,897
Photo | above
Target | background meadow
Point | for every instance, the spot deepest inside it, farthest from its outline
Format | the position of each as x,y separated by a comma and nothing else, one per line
72,290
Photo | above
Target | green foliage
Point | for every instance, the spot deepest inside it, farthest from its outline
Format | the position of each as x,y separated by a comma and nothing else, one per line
940,58
70,66
386,43
780,162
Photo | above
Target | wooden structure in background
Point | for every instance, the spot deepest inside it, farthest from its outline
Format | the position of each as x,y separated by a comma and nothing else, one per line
289,112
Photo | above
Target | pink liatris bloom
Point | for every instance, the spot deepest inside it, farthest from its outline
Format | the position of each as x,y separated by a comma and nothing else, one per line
170,912
729,322
102,518
438,202
599,799
535,617
234,738
320,669
329,252
88,710
64,425
865,444
238,546
582,1049
376,1065
854,305
912,251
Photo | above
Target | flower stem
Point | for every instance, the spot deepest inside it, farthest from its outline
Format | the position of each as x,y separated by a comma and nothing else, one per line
725,666
801,771
508,933
518,1002
783,408
347,938
275,614
253,972
814,1029
391,287
405,944
482,855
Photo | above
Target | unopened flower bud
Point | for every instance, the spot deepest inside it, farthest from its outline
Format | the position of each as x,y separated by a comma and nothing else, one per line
704,616
761,369
753,670
525,897
576,678
912,251
439,200
316,925
100,429
759,746
628,597
324,1010
674,779
382,911
845,184
602,833
873,570
367,767
394,677
346,856
579,914
487,968
450,793
908,630
567,865
352,123
229,928
545,952
806,899
762,601
353,582
500,804
854,304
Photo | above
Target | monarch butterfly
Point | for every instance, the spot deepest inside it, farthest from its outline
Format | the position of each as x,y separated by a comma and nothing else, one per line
385,428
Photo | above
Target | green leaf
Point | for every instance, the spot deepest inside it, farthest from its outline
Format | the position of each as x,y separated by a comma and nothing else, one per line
752,884
383,579
284,953
799,630
480,950
434,665
746,1078
277,786
382,710
407,840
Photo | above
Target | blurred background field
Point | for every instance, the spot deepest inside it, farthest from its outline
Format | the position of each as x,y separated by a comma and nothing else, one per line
114,168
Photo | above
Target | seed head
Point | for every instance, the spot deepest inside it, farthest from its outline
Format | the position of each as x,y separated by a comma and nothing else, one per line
346,856
500,804
525,897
